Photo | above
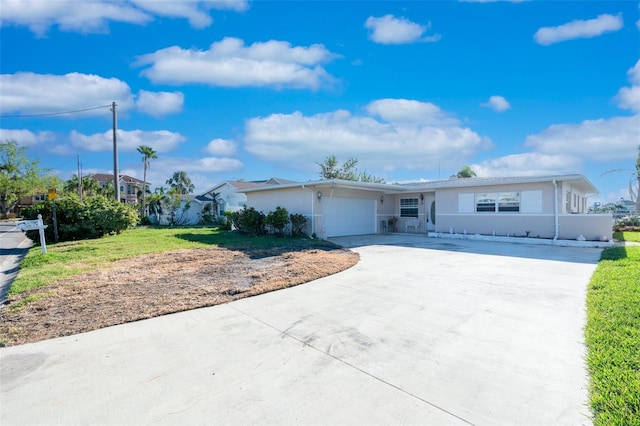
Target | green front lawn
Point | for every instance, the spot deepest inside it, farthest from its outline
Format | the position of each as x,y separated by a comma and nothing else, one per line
627,236
613,337
74,257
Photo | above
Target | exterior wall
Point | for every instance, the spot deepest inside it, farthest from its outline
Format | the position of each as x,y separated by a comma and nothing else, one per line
572,200
539,226
295,200
539,223
447,199
392,208
593,227
305,201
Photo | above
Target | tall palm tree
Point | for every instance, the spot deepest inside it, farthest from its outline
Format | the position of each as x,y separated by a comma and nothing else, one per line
148,153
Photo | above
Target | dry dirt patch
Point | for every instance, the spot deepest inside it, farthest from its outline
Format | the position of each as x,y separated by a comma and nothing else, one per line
158,284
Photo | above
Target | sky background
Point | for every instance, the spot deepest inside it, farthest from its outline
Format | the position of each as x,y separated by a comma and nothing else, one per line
256,89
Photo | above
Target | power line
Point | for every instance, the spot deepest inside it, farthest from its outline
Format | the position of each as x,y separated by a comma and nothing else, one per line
54,113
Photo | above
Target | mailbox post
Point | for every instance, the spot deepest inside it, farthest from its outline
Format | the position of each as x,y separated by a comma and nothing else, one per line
32,225
53,194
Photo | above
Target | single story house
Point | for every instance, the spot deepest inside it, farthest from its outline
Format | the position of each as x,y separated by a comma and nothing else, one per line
552,207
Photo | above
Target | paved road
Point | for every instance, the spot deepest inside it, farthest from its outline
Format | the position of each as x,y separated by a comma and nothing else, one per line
13,246
420,331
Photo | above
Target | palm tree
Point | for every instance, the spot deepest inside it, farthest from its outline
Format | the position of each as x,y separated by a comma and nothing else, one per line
466,172
181,183
148,153
90,186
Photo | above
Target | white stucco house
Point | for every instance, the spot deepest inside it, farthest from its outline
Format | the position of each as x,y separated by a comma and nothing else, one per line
548,207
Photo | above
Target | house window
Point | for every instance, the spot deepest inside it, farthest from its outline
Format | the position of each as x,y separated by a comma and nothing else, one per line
408,207
485,202
509,202
497,202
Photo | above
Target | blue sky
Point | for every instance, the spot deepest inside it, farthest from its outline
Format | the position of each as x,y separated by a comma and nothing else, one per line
253,89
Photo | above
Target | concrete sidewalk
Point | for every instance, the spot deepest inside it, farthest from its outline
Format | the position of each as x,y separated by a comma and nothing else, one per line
13,246
420,333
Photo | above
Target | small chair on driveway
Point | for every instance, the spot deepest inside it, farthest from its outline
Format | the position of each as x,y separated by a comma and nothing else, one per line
412,223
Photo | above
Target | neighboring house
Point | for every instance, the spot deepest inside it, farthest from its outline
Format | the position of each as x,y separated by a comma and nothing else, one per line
28,201
129,186
543,206
227,198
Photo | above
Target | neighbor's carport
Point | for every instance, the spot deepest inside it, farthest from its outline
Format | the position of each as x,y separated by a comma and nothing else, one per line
421,331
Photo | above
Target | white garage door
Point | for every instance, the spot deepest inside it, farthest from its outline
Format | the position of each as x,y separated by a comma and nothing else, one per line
348,216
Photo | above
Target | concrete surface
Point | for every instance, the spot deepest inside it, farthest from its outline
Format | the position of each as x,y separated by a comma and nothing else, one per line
420,331
13,246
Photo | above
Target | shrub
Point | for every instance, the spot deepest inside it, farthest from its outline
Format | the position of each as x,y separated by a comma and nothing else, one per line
249,221
631,223
298,225
226,221
278,219
207,217
92,217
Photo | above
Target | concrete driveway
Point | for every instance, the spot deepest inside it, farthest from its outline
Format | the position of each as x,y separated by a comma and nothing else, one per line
420,331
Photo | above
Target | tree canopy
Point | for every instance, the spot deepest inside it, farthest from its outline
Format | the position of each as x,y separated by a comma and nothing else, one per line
466,172
180,183
20,176
330,169
90,186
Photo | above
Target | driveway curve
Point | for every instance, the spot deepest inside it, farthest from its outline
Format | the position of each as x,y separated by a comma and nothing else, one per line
420,331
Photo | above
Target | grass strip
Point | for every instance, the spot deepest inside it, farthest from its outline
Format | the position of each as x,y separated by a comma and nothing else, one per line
627,236
613,337
75,257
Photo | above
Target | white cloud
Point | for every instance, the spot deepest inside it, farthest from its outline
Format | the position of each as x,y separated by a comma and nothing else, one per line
222,147
230,63
629,97
527,164
200,171
405,143
30,93
634,74
160,140
159,104
579,29
391,30
201,165
497,103
592,140
197,12
410,111
26,137
69,15
94,16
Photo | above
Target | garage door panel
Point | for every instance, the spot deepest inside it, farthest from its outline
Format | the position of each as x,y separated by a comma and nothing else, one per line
348,216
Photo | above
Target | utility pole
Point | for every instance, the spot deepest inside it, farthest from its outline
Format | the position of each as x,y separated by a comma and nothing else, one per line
79,180
116,174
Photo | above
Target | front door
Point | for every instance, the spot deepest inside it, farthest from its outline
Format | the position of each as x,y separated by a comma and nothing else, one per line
430,212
